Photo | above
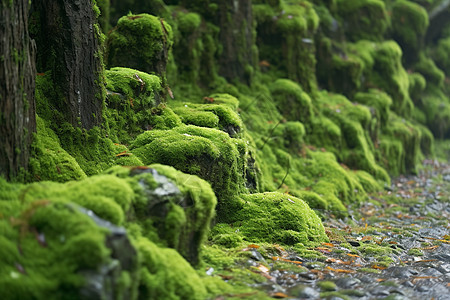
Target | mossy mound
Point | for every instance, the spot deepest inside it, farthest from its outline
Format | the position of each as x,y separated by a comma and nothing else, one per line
285,40
409,25
363,19
131,95
49,160
400,146
218,116
164,274
53,248
355,122
277,218
209,153
140,42
292,102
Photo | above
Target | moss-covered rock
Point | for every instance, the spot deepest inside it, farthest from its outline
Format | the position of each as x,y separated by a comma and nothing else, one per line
293,103
277,218
363,19
165,274
89,252
209,153
49,161
140,42
285,40
409,25
131,103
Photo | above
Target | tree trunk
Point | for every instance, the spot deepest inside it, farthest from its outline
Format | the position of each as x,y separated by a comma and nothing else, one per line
67,43
237,36
17,74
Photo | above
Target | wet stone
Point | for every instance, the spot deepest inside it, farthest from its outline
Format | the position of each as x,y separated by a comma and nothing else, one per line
380,291
309,276
347,282
304,292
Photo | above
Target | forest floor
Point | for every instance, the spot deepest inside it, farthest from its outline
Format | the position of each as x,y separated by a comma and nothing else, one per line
395,246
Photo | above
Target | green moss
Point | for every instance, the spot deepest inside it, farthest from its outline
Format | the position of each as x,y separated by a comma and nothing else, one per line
327,286
140,42
156,282
388,74
417,85
49,161
277,218
441,55
285,40
312,199
209,153
292,102
221,117
409,25
354,122
66,236
131,95
188,22
415,252
400,146
380,102
433,75
364,19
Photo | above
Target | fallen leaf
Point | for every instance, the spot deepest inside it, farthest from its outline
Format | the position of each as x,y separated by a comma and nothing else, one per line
253,246
279,295
352,255
328,244
378,267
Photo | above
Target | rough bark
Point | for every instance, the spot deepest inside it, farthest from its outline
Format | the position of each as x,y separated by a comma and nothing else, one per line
17,73
238,57
68,46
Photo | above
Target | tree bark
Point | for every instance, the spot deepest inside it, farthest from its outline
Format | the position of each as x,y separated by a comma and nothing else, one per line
238,58
17,82
68,46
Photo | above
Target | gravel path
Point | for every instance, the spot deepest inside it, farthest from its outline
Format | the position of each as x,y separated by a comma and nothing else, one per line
397,246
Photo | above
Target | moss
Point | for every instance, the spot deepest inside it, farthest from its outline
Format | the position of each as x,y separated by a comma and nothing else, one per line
327,286
209,153
140,42
188,22
369,184
404,156
433,75
131,96
156,282
441,56
312,199
221,117
292,102
66,236
409,25
354,122
49,161
285,40
380,102
363,20
388,74
415,252
277,218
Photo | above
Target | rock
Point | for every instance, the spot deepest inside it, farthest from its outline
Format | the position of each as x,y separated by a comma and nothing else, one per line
304,292
347,282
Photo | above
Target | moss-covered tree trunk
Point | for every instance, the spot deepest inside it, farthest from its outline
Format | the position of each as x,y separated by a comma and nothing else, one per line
17,73
237,36
67,38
